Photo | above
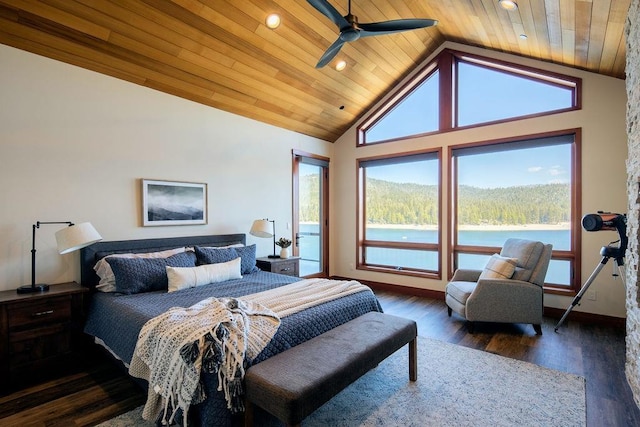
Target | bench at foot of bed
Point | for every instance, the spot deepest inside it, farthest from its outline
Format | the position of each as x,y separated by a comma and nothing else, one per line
293,384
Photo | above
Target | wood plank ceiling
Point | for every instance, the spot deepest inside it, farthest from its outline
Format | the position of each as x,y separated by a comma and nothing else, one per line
220,53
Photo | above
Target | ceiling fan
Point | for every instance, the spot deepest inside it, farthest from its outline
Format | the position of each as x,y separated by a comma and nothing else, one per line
351,30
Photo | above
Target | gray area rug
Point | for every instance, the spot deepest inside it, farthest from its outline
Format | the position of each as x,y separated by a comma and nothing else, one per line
457,386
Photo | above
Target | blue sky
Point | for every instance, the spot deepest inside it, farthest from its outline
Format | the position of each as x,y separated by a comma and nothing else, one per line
532,166
548,165
502,95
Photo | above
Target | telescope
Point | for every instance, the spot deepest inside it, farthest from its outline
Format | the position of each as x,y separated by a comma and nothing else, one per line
596,222
613,222
603,221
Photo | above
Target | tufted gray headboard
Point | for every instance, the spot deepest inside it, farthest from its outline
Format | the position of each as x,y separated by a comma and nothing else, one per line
92,254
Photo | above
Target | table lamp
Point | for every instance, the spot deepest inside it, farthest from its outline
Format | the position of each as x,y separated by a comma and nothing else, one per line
262,228
69,239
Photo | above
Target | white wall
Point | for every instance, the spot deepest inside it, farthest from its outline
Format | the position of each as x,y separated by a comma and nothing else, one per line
74,145
604,151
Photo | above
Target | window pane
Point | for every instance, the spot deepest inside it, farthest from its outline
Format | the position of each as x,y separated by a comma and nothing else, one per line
309,248
521,189
402,258
402,202
416,114
309,213
401,206
495,98
522,193
559,272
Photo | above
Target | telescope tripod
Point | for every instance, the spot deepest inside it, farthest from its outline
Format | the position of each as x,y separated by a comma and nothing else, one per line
607,253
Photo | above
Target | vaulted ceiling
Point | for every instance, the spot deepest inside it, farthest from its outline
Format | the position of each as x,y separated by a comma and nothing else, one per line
220,53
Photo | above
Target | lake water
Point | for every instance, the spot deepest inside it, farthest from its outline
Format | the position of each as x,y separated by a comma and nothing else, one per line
559,271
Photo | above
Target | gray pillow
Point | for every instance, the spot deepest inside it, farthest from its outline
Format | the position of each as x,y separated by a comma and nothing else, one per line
135,275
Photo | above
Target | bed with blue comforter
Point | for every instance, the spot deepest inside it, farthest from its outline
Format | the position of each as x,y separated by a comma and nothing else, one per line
116,318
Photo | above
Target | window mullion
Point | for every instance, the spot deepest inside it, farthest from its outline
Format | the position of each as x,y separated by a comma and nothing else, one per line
446,92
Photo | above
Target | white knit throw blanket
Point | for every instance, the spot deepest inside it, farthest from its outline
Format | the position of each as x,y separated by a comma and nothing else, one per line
295,297
158,356
171,347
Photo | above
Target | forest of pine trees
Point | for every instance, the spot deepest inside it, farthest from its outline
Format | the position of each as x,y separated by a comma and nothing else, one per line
414,204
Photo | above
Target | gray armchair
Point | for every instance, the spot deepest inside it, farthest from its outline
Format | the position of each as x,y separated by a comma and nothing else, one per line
518,299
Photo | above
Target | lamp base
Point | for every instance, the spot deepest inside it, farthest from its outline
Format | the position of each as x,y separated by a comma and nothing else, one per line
273,256
28,289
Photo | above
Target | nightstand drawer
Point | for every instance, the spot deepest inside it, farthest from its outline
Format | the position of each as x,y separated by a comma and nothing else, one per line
288,268
32,345
39,312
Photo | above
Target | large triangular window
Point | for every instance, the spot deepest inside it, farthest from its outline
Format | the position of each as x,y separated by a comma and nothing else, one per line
458,90
487,94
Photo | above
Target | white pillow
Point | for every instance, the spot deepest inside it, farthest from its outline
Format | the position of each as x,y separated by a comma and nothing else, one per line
190,277
499,267
108,279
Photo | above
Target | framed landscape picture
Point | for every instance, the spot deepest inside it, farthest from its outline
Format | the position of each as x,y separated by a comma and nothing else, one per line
173,203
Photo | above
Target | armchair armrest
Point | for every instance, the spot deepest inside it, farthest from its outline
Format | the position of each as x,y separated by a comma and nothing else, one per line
512,286
466,275
505,300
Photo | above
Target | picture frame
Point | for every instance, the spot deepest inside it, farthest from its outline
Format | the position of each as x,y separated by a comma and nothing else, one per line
173,203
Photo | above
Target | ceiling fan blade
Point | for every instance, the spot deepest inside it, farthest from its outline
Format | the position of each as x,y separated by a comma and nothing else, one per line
324,7
395,26
330,53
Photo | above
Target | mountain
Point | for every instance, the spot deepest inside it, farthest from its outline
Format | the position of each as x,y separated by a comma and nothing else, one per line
415,204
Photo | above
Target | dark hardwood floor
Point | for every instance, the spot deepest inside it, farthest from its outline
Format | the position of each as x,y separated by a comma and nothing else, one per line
96,390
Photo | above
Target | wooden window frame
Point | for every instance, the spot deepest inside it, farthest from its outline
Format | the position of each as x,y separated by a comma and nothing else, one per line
573,256
363,243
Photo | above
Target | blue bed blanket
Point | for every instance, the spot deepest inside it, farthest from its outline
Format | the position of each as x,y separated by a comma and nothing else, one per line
117,320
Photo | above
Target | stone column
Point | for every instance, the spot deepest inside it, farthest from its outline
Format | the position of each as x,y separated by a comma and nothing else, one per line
633,189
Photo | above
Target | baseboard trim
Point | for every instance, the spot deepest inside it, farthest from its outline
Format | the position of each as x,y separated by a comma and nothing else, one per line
556,313
582,317
405,290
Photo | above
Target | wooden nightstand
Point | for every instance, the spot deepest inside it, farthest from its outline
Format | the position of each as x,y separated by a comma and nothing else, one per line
288,266
38,332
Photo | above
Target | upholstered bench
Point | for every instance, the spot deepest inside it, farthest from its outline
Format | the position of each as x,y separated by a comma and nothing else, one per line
293,384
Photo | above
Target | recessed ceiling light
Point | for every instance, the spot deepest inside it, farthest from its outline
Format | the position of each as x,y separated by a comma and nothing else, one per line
273,21
341,65
508,4
523,36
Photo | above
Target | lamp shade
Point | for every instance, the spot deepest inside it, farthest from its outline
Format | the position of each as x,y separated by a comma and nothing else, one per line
76,237
261,228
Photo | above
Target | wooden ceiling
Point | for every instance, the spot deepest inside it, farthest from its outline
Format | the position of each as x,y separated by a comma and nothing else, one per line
220,53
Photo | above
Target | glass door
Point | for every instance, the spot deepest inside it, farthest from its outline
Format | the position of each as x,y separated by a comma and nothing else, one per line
311,214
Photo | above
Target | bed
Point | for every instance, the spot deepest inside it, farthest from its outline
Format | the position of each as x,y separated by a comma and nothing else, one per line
115,318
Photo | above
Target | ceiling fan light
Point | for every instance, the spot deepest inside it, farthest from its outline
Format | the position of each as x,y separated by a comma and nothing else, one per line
508,4
341,65
273,21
